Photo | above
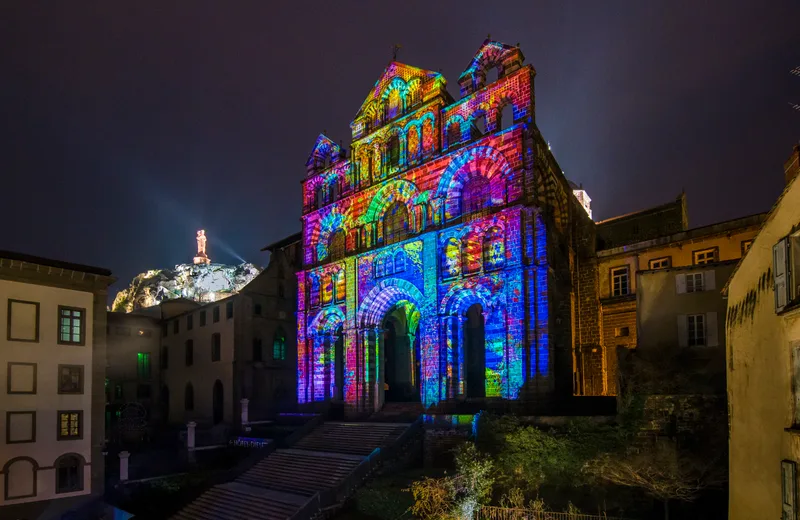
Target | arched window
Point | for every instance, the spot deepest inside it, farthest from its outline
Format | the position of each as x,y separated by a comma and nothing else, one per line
188,398
279,345
327,289
336,249
399,262
478,125
494,249
506,117
394,104
393,151
313,291
319,196
471,254
453,134
427,136
380,267
69,473
395,223
414,148
20,478
474,195
451,259
333,191
338,287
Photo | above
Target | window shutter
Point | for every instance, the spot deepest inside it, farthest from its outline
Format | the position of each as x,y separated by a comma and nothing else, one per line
683,331
780,274
680,283
712,333
709,280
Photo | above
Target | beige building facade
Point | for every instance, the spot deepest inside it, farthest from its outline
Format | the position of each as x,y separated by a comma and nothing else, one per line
763,364
52,354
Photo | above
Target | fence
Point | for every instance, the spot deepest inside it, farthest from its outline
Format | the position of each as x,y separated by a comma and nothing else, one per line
507,513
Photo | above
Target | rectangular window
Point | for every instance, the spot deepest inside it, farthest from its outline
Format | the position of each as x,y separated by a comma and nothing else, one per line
71,325
216,314
143,365
21,378
203,318
23,321
796,383
746,244
694,282
189,322
661,263
705,256
176,326
145,333
20,427
70,425
619,281
696,328
216,347
257,309
164,329
229,310
70,379
164,357
189,352
621,332
257,351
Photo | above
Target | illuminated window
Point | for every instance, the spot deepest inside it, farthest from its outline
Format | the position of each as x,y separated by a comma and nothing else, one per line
69,474
494,250
71,322
339,287
336,246
393,149
694,282
451,257
696,328
327,289
475,195
413,143
188,398
279,345
399,262
70,425
70,379
395,223
746,246
143,365
313,290
661,263
216,347
619,281
705,256
380,266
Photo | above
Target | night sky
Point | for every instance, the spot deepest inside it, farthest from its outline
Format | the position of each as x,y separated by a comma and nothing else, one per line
126,126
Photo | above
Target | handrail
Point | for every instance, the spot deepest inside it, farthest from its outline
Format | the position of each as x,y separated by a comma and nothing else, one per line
510,513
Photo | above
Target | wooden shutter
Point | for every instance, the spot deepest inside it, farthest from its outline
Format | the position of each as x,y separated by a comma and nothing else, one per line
709,280
712,335
788,488
779,273
680,283
683,331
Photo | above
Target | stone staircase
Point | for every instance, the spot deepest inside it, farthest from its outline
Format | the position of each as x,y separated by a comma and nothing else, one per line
320,470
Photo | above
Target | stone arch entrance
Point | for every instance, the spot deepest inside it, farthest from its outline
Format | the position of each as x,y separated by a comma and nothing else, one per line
401,354
474,352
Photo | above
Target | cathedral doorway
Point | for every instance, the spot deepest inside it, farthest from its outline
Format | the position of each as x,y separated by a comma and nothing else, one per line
475,352
401,366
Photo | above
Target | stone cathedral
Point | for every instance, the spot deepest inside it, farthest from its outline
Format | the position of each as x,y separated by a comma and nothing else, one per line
441,254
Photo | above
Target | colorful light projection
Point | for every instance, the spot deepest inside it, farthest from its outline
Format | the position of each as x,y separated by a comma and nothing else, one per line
434,244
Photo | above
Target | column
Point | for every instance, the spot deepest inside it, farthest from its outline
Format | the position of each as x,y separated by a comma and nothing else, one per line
412,359
123,465
379,380
190,427
245,417
459,339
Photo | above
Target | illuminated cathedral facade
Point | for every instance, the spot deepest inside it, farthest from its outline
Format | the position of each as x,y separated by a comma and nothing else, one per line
433,250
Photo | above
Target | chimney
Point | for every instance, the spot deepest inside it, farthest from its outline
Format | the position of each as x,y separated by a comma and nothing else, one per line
792,167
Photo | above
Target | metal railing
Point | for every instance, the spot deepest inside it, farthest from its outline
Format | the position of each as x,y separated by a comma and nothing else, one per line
507,513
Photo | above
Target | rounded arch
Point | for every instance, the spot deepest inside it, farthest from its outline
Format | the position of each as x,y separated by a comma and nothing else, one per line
326,320
396,84
463,295
485,161
23,485
331,222
63,456
395,191
384,296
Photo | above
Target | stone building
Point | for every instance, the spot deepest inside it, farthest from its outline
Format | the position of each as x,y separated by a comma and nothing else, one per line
213,356
763,362
53,354
646,242
441,256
